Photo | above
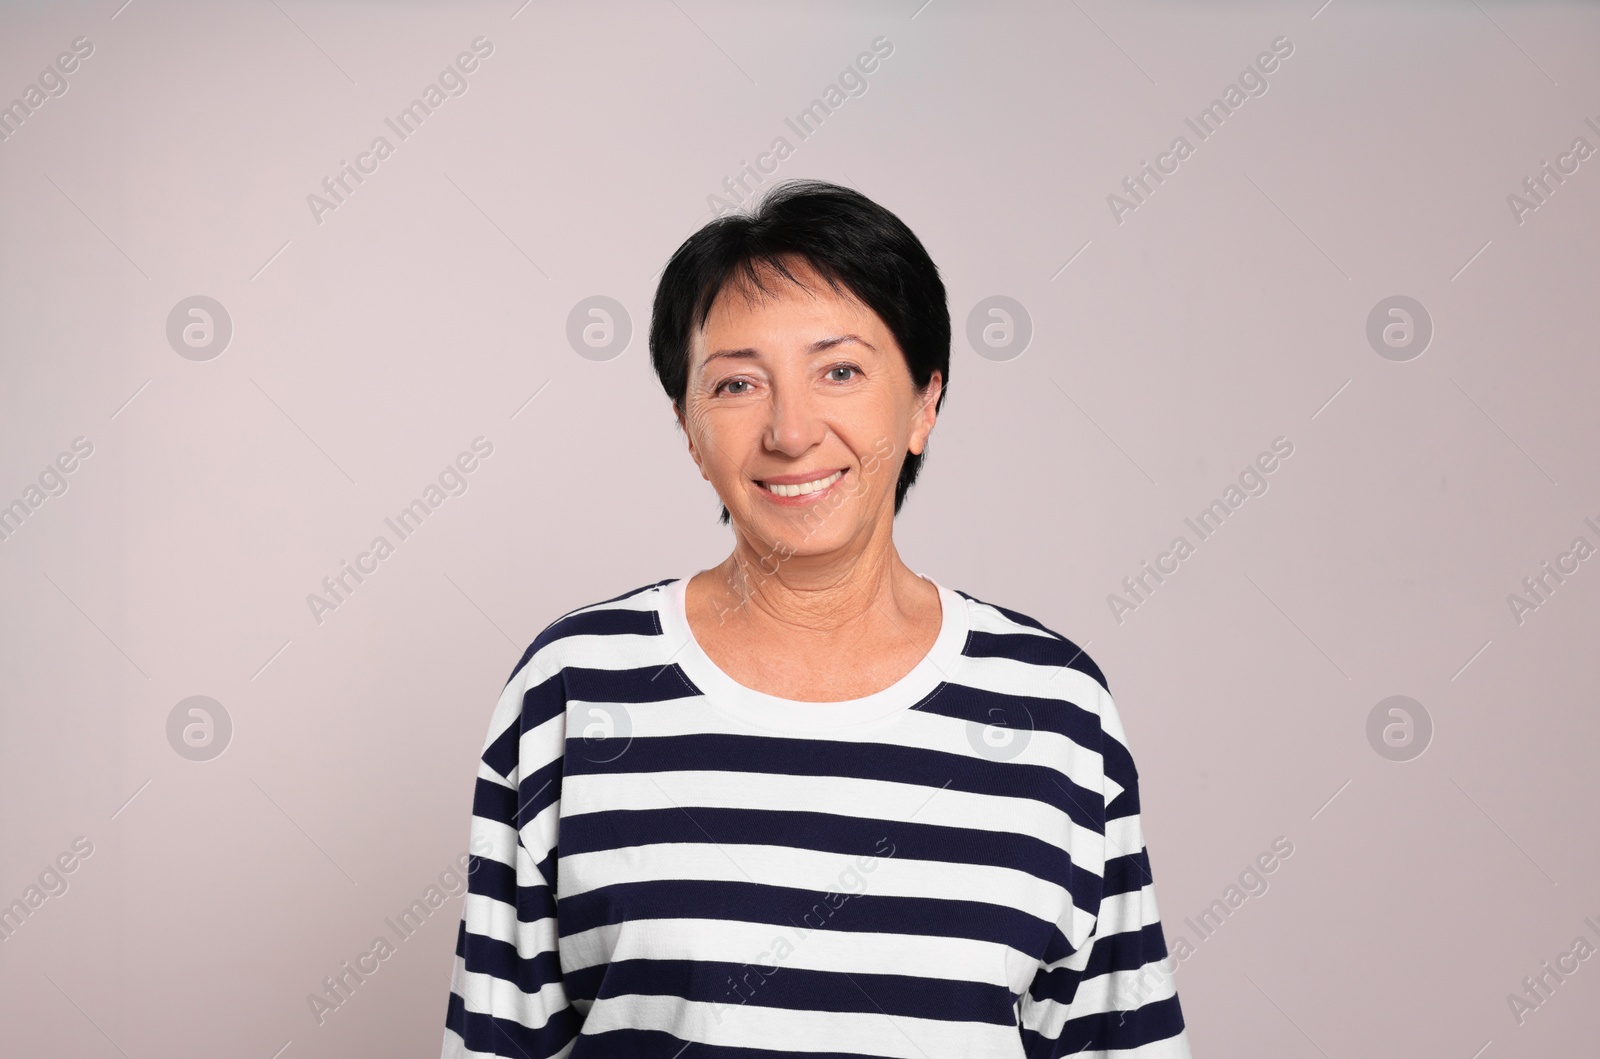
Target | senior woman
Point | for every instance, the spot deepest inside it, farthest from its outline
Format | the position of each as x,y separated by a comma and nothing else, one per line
807,802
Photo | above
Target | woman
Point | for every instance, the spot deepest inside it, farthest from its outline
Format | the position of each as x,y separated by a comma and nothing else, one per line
807,802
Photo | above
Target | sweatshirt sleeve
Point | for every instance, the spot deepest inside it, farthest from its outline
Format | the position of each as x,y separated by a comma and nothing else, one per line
507,997
1113,996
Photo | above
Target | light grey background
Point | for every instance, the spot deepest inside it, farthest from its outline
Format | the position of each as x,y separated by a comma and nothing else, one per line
429,309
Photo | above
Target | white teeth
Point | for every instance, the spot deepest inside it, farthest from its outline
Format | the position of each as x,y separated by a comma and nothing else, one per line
803,488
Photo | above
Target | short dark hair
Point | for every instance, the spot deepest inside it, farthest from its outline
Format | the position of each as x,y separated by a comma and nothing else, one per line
849,240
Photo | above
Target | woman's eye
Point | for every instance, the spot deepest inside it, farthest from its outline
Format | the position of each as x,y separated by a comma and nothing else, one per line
732,382
843,367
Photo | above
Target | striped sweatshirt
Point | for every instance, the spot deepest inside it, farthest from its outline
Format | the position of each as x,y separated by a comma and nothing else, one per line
666,863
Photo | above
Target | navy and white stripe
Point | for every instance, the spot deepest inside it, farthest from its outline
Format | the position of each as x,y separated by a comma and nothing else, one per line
665,864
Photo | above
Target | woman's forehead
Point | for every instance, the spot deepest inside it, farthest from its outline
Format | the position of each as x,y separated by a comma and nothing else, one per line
742,307
749,341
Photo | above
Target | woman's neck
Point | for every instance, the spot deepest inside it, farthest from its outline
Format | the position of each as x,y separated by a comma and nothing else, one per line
816,597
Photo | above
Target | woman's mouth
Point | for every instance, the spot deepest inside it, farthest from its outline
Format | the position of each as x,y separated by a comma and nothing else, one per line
801,492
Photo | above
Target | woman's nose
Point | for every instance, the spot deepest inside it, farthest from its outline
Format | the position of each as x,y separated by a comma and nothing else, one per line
793,425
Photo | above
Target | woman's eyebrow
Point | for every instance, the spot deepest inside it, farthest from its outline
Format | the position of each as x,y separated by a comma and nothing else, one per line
818,346
829,343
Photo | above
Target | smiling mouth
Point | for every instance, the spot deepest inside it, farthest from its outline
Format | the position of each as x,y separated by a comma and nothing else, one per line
816,485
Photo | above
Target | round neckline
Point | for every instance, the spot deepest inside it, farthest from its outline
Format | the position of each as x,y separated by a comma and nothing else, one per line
732,698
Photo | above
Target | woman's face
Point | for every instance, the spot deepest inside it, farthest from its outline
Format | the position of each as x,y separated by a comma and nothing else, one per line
795,387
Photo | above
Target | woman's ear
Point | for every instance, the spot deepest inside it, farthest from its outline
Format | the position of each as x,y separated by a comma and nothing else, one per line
922,423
